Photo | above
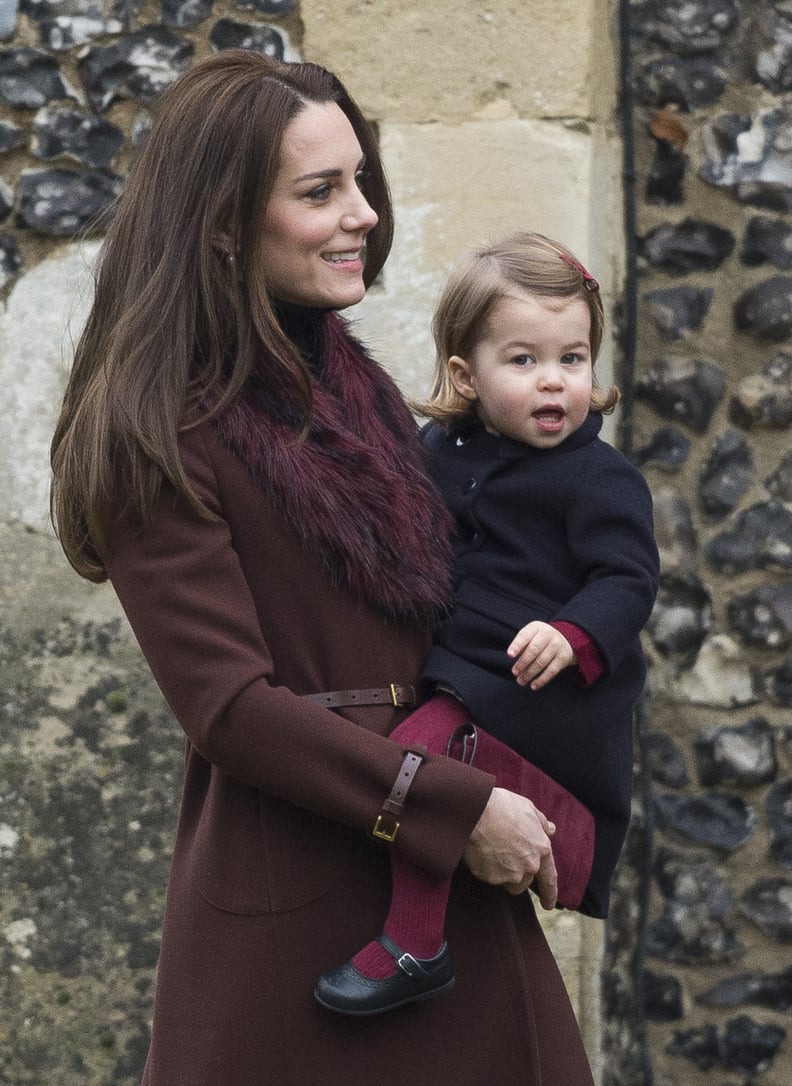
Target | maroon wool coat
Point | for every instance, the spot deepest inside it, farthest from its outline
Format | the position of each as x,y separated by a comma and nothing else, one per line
275,877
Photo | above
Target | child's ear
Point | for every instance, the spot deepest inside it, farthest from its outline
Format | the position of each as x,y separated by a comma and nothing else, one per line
462,377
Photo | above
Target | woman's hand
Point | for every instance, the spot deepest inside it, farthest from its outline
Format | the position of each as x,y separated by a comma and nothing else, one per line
539,652
510,847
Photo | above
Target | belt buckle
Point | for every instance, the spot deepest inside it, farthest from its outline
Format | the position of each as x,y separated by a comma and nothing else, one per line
396,697
388,835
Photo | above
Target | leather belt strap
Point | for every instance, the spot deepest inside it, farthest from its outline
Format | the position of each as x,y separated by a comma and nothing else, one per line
387,825
394,695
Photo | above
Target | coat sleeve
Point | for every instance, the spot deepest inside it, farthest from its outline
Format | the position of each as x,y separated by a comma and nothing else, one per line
610,536
190,606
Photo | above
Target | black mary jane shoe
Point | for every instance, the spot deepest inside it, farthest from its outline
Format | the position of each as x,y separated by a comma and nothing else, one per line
347,991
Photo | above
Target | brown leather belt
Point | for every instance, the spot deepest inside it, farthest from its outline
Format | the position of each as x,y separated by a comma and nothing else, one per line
394,694
387,825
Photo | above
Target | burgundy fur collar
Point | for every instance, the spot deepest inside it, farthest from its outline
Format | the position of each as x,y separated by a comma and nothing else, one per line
356,491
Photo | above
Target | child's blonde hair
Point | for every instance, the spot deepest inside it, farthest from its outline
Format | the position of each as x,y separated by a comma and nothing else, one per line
532,263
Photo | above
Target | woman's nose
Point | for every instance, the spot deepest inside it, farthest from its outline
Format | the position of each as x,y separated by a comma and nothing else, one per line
359,215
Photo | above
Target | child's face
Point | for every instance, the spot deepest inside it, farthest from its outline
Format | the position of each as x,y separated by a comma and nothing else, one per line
530,376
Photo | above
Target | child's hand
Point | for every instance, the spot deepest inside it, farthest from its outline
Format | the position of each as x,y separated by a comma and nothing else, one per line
540,652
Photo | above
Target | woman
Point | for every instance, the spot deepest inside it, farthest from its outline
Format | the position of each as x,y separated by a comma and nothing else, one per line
251,484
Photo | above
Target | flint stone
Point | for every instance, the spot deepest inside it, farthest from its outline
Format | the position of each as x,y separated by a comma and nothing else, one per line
722,821
682,389
662,997
750,1047
769,46
720,677
690,246
91,140
66,31
773,990
743,755
762,617
778,684
63,202
687,27
696,922
666,181
751,156
761,538
767,240
228,34
765,399
139,66
678,311
667,761
779,816
699,1046
10,258
668,450
6,200
29,78
682,615
185,13
11,137
674,532
766,309
768,904
688,82
726,475
779,482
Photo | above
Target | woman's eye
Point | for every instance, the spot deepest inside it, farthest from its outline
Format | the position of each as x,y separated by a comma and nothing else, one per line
361,177
321,192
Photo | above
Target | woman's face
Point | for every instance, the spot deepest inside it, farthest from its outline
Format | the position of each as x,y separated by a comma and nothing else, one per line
312,244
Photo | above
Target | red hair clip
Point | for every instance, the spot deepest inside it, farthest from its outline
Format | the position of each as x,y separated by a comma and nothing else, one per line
589,282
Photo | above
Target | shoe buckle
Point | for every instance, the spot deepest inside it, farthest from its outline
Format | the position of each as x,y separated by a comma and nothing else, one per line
404,963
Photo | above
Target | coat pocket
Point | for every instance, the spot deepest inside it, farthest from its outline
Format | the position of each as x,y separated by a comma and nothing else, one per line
253,854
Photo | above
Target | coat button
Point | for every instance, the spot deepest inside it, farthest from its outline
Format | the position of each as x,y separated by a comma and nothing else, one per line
470,485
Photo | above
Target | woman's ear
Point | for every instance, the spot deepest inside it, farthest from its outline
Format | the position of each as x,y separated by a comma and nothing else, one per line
462,377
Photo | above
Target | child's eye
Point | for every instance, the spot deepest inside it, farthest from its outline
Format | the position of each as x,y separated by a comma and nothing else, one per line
571,358
521,360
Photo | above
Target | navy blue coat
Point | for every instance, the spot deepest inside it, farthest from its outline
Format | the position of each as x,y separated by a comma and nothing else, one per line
562,534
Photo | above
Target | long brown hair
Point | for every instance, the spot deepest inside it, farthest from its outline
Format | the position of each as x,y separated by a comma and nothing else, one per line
177,322
532,263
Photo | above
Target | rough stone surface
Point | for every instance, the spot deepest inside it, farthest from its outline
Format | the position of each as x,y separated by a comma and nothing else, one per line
668,449
678,311
726,475
64,202
30,78
766,309
83,137
139,66
767,241
692,245
687,82
685,390
765,399
760,538
682,616
744,756
768,904
762,616
750,156
722,821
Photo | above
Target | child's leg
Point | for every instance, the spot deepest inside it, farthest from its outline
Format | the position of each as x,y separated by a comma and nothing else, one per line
418,900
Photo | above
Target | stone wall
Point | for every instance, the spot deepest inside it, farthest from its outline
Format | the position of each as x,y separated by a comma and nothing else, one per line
700,939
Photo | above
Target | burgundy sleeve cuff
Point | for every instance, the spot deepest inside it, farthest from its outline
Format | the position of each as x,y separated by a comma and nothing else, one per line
590,665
